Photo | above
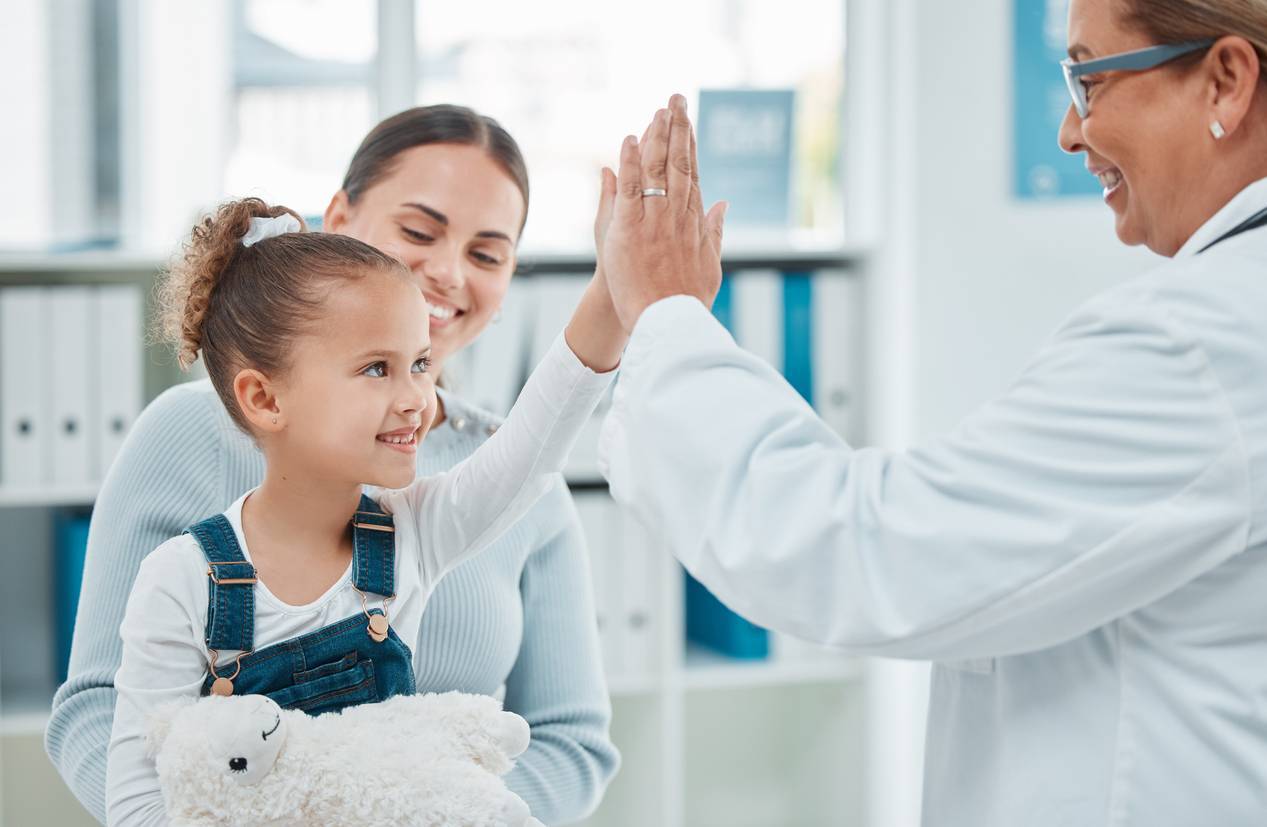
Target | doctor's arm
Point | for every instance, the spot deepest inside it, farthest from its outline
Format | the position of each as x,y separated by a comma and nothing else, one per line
1111,474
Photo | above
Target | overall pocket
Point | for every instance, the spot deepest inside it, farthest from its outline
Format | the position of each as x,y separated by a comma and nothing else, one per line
343,683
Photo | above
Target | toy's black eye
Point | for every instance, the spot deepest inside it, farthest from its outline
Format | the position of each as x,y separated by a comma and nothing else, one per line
237,764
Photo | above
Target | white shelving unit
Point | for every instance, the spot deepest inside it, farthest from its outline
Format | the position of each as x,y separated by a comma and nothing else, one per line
706,740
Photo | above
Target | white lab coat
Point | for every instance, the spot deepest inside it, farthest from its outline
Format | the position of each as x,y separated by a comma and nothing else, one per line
1084,558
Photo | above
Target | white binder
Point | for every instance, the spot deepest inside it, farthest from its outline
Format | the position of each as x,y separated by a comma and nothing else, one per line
757,314
597,512
66,339
24,373
490,372
837,346
118,335
636,586
556,298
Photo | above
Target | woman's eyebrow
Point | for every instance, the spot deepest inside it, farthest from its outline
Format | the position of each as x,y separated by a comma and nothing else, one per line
436,214
443,220
1078,49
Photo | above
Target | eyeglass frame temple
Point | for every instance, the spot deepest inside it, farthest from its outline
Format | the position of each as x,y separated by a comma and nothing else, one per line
1135,61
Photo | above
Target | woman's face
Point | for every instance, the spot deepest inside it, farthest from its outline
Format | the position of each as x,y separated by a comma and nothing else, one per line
1144,137
452,215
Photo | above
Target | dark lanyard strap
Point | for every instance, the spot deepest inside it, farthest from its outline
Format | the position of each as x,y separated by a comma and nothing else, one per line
1255,221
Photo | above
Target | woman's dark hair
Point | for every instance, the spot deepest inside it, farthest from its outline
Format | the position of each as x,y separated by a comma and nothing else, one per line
242,307
376,157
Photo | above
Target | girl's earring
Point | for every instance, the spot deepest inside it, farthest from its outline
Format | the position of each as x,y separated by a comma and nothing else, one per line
1217,130
274,420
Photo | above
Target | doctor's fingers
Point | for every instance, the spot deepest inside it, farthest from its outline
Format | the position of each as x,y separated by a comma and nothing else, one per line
681,162
655,154
629,199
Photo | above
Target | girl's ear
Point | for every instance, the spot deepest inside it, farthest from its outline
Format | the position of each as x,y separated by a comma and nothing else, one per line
257,399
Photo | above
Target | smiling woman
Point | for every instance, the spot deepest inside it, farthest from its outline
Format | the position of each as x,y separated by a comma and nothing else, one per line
445,191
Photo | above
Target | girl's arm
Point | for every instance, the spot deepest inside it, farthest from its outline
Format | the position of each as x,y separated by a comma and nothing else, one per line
467,508
163,661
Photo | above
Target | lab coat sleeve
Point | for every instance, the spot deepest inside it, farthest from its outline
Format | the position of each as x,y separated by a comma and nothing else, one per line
1110,474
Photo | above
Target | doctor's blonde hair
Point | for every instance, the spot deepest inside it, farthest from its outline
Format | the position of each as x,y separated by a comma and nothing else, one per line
1178,21
241,307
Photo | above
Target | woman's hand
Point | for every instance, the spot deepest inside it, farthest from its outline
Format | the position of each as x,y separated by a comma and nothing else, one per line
659,246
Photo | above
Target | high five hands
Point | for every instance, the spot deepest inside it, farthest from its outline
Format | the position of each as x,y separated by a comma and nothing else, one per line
654,239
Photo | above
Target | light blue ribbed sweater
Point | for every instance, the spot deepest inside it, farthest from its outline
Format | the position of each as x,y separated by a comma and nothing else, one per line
519,613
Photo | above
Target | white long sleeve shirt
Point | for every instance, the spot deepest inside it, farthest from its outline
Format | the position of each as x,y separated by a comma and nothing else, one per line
440,521
1084,558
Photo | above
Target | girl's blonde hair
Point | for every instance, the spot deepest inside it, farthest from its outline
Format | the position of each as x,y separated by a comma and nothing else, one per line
242,307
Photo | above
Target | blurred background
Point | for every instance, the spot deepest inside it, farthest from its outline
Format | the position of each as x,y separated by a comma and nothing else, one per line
911,236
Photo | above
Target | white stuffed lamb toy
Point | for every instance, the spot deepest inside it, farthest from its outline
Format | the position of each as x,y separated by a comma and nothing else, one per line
425,760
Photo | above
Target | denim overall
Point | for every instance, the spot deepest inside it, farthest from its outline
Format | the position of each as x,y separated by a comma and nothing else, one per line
332,668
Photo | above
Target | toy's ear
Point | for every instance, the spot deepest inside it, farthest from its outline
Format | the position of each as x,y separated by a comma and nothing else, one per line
159,724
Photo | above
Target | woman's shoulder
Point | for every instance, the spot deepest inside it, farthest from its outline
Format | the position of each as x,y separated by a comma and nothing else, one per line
188,407
468,422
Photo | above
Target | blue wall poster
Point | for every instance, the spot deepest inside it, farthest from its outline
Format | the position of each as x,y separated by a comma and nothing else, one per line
1040,101
744,142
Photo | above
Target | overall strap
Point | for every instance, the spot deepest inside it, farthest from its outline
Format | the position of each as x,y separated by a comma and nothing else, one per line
373,549
230,586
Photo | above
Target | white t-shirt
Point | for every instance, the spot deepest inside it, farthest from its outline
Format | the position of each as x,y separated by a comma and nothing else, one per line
440,521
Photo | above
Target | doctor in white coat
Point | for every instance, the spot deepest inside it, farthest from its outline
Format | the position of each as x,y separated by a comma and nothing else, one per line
1085,558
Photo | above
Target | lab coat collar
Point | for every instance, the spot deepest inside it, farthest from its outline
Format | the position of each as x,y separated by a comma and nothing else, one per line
1244,204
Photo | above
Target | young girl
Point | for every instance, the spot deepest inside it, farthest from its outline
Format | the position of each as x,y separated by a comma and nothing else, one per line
305,589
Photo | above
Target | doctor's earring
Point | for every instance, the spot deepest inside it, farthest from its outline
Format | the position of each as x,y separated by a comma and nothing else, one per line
1217,130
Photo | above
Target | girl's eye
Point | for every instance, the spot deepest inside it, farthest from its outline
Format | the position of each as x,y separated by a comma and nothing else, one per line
415,235
484,258
422,365
377,370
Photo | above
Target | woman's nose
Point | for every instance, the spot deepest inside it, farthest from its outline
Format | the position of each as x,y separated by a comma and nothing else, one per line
443,268
1070,135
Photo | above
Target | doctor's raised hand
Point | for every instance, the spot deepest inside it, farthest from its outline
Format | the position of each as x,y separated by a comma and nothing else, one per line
660,242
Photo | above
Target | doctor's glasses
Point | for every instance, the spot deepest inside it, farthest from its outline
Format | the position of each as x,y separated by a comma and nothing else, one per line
1136,61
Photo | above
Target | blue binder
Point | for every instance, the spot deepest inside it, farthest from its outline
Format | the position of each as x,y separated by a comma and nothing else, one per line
70,546
708,622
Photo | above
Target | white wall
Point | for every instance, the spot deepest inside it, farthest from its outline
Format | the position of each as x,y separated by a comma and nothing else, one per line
967,281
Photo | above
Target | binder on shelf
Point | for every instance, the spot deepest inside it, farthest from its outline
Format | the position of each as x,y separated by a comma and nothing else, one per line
490,372
73,459
711,624
25,441
635,577
70,547
837,351
118,333
757,314
556,298
751,306
597,511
